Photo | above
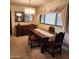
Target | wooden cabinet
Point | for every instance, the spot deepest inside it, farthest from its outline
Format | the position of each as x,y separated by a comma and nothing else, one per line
22,30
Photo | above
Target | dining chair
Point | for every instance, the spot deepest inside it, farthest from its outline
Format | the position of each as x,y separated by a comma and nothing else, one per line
55,46
33,39
52,29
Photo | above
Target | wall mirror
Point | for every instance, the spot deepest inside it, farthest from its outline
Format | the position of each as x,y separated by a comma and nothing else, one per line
19,16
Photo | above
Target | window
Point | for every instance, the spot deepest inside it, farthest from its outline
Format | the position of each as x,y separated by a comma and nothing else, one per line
42,18
28,17
51,19
59,20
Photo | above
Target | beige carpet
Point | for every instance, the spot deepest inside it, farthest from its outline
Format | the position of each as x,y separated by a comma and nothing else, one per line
19,49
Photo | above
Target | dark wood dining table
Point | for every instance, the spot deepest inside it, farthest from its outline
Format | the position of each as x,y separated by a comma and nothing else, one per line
43,37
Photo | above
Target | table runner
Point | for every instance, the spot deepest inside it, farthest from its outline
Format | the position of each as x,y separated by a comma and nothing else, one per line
51,36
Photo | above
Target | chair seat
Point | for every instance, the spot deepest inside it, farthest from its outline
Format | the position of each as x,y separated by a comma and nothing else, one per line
53,44
50,44
32,40
33,37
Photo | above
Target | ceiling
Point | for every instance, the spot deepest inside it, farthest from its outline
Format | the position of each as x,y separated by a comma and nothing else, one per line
33,3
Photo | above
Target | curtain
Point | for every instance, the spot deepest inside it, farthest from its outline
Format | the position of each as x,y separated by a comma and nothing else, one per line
64,18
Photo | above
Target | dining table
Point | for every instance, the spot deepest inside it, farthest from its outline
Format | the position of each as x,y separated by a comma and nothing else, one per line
44,37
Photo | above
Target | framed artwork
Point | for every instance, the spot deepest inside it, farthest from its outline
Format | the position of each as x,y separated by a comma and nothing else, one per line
19,16
28,18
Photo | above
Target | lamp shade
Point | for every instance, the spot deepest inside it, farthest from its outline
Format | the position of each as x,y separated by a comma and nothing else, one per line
29,10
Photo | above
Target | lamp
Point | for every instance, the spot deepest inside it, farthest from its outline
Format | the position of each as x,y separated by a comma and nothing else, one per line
29,10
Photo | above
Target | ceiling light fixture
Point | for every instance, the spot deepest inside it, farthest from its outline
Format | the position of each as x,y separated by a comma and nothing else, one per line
29,10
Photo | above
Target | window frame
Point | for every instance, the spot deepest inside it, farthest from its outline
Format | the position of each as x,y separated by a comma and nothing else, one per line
40,19
50,24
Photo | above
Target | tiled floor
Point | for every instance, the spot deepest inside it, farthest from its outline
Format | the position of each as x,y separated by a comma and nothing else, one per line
19,49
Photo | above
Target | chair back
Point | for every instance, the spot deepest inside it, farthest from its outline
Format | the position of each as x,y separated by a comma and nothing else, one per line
59,38
51,29
33,26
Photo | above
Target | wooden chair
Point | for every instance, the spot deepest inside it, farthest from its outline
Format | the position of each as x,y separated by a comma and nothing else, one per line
55,46
32,39
52,30
33,26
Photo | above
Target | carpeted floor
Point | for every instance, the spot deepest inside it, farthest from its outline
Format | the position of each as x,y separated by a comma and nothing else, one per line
19,49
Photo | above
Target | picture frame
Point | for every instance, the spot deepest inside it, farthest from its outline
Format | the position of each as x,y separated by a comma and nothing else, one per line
19,16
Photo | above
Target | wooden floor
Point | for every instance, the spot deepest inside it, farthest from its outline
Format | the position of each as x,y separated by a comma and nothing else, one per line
19,49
